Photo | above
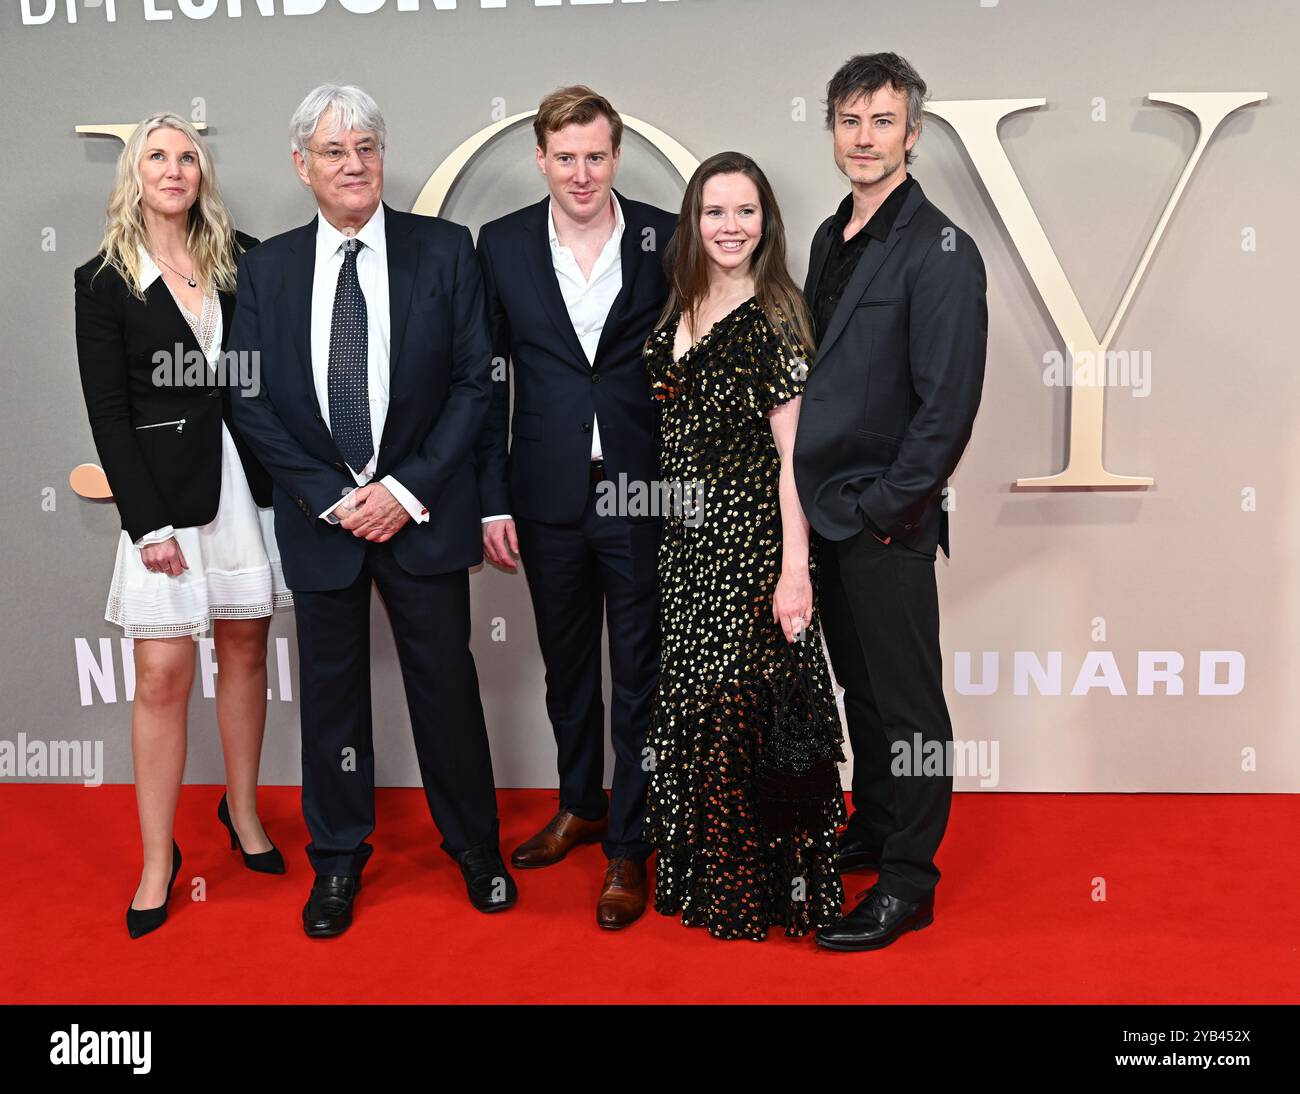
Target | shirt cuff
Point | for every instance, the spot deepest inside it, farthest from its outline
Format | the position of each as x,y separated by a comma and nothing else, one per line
408,501
498,516
160,535
328,516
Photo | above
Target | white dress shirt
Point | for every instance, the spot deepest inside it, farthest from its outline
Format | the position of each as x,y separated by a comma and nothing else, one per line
588,300
372,275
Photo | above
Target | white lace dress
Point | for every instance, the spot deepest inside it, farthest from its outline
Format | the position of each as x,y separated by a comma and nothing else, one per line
234,564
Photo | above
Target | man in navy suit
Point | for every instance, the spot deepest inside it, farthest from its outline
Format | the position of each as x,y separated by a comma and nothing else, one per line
574,285
375,375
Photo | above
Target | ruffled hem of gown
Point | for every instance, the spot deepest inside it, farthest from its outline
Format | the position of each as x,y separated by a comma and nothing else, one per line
720,865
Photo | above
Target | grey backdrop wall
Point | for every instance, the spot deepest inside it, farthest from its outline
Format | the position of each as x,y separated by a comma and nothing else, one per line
1202,561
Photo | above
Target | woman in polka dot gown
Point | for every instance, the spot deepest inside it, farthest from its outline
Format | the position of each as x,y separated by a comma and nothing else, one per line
744,795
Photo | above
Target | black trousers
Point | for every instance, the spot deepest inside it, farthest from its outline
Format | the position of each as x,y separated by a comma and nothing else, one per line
880,616
430,622
603,565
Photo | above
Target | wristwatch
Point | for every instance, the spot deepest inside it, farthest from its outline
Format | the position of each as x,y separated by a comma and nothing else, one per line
331,517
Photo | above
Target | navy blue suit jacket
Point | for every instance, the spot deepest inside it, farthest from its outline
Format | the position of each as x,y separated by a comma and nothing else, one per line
440,363
545,472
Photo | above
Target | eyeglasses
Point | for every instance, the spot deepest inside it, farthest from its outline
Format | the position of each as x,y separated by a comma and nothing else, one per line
335,155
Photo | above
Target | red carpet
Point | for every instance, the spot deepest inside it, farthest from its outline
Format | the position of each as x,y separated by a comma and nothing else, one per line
1201,907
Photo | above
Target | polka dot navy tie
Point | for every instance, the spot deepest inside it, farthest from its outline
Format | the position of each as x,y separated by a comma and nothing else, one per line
349,383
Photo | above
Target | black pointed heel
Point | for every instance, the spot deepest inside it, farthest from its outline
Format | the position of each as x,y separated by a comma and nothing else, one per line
264,862
143,920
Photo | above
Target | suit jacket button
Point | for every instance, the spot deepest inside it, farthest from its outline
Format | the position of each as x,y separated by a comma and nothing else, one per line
908,527
595,377
586,427
338,467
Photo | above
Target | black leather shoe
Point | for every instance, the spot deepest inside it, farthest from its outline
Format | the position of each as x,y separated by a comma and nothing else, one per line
264,862
328,910
876,922
143,920
854,854
489,884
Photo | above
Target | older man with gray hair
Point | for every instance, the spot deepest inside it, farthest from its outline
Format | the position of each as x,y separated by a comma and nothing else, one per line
375,376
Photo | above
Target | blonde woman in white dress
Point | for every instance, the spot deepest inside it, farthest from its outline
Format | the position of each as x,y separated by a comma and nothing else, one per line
197,553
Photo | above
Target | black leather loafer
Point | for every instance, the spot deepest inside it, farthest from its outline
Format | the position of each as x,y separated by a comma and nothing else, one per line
328,910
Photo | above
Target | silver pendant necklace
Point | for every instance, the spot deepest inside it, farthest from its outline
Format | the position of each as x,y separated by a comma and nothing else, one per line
189,280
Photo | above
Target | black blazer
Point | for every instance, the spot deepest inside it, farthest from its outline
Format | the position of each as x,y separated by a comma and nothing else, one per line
440,363
546,474
892,394
158,443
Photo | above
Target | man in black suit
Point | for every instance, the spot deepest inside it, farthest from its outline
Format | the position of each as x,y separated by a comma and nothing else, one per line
375,373
574,286
897,295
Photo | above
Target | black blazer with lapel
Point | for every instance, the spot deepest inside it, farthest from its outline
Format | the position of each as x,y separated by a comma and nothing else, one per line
891,397
544,474
159,443
440,371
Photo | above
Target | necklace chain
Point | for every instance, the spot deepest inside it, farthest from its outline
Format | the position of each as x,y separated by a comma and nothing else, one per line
188,277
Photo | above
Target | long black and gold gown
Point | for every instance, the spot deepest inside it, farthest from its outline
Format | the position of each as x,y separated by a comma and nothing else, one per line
744,794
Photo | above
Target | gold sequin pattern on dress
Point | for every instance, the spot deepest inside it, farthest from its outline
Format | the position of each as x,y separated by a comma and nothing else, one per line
723,656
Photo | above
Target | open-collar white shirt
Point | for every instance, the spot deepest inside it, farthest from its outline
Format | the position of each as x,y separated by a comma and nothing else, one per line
587,299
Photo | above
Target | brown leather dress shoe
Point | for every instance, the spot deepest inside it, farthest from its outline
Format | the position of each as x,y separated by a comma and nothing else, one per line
622,898
564,832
